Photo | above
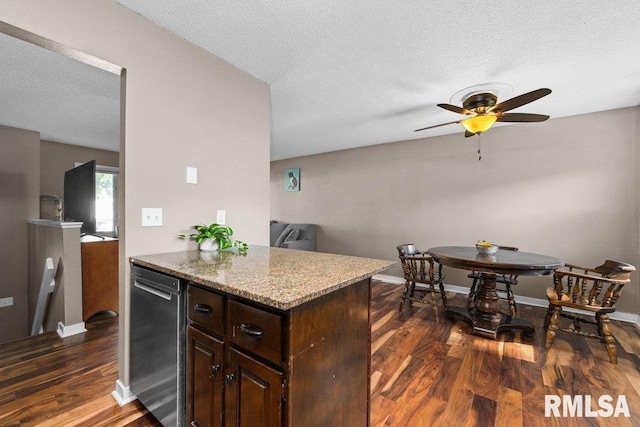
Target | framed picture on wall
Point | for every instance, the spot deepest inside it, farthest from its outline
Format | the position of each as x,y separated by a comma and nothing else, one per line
292,179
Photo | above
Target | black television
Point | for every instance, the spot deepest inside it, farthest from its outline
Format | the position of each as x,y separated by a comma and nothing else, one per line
80,196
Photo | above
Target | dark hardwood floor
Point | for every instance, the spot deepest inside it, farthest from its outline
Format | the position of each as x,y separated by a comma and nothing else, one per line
429,371
426,371
48,381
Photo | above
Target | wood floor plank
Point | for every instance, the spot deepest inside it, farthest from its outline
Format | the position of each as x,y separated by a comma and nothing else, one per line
428,413
381,410
627,336
482,413
509,408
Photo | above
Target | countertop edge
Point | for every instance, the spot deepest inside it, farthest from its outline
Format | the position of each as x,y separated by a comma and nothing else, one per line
270,302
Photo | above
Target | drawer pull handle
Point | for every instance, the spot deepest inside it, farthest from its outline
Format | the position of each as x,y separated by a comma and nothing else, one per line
215,369
254,331
228,379
202,308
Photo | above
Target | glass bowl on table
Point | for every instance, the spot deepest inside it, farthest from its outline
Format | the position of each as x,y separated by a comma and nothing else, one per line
486,248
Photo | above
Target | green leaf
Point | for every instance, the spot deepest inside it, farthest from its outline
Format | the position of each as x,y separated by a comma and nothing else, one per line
221,233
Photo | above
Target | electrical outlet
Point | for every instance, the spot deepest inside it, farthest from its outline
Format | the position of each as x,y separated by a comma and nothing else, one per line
152,217
221,217
6,302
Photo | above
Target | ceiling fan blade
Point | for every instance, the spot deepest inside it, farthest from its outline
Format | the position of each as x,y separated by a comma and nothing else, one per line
456,109
436,126
522,117
520,100
467,134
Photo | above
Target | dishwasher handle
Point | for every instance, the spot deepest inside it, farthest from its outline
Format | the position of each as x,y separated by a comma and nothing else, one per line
155,291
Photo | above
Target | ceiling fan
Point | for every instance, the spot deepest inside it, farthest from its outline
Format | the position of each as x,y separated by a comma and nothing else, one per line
483,110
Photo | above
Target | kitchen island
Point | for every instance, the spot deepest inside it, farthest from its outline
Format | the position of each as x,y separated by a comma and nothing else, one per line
275,336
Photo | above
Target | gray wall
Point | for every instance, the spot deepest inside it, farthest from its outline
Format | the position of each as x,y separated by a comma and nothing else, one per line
62,245
56,159
30,167
567,187
184,107
19,201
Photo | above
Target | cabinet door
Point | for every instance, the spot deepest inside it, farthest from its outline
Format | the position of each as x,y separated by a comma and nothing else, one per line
253,393
204,379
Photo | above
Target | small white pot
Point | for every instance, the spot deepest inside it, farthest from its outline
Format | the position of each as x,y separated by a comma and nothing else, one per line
209,245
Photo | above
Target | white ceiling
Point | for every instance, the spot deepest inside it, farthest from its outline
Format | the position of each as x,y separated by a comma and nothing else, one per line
63,99
349,73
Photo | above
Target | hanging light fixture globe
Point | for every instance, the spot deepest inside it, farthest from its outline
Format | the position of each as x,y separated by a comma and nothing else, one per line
480,123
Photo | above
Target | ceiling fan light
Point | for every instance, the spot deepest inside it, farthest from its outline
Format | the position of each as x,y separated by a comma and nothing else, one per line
478,124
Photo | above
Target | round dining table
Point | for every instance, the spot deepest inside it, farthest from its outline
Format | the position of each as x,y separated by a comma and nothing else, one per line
485,317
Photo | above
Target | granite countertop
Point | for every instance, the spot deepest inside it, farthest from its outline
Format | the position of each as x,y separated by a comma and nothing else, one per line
279,278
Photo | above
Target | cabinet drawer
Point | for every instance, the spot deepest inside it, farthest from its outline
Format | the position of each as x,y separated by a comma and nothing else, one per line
206,309
256,330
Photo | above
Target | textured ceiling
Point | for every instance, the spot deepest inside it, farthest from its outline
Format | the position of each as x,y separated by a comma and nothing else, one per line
63,99
352,73
349,73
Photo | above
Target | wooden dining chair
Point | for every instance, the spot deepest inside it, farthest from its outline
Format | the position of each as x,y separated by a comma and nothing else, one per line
504,292
420,267
592,291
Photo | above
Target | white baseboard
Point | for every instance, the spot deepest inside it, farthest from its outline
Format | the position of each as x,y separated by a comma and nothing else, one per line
536,302
395,280
122,394
67,331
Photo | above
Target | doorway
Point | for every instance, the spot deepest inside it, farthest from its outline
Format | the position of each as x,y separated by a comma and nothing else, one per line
59,106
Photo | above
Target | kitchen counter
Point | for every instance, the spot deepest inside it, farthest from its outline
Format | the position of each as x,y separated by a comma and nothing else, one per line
276,277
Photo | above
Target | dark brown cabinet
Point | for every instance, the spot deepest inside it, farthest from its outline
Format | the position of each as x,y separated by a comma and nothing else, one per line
225,385
205,379
251,365
253,392
99,276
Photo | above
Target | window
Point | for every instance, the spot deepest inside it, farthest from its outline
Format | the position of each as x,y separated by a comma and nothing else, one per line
106,200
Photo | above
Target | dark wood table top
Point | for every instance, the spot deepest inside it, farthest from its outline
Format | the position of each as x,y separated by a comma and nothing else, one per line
502,262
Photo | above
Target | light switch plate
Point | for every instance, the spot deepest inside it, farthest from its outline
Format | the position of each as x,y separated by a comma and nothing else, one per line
152,217
192,175
6,302
221,217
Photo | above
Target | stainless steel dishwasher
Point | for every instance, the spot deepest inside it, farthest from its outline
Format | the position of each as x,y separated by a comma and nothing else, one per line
157,344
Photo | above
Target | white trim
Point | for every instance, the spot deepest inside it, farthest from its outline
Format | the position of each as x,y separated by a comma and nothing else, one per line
122,394
100,168
536,302
67,331
55,224
395,280
109,169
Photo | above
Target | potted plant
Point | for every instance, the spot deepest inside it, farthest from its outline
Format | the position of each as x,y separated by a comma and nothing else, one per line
215,237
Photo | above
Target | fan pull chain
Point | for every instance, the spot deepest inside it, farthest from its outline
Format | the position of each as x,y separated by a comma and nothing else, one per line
479,147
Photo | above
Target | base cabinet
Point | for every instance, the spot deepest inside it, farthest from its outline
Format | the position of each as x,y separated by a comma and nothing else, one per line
249,365
253,393
204,379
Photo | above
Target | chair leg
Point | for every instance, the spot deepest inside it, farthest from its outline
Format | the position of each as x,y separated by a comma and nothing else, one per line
412,289
553,314
405,294
604,326
547,317
513,309
444,296
471,299
433,300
